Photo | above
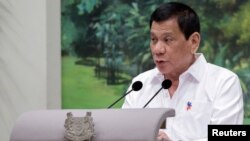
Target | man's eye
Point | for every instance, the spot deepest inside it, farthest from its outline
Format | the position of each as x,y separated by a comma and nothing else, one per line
168,39
153,39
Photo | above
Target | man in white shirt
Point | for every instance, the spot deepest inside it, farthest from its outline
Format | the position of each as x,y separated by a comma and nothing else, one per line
201,93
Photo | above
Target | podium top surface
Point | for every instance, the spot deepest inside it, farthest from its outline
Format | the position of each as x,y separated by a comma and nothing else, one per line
109,124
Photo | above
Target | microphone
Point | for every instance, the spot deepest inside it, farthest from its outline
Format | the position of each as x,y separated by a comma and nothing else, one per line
136,86
164,85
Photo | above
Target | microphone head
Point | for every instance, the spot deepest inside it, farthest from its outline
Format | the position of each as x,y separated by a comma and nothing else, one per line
166,84
137,86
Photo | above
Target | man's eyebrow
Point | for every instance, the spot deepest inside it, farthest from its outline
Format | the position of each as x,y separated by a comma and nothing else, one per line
152,33
164,34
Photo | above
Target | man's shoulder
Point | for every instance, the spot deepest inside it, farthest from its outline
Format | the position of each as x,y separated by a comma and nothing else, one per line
216,70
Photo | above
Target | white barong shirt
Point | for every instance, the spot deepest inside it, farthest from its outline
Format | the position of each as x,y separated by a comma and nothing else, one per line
206,94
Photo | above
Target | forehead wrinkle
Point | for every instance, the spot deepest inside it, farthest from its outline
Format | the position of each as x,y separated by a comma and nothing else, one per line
163,34
167,27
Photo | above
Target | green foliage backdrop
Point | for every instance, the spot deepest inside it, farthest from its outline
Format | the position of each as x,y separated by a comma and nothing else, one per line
111,39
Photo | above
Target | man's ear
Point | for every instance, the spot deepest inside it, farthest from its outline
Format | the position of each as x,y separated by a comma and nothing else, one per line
194,42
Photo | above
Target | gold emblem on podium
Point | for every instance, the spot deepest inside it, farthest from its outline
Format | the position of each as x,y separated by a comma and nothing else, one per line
79,128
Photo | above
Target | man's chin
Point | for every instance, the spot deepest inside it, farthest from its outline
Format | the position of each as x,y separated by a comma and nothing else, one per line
163,70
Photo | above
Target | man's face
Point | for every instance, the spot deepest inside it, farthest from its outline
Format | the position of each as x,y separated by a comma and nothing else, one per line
172,53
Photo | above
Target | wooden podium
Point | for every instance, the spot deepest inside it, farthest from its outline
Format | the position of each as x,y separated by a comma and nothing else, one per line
109,124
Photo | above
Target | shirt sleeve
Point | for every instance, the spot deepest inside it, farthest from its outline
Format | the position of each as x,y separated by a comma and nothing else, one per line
203,139
228,103
173,139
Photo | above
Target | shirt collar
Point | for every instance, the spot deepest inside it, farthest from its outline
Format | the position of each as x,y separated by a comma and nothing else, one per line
196,70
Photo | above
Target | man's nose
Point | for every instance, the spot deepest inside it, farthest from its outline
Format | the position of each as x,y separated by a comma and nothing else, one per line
159,48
